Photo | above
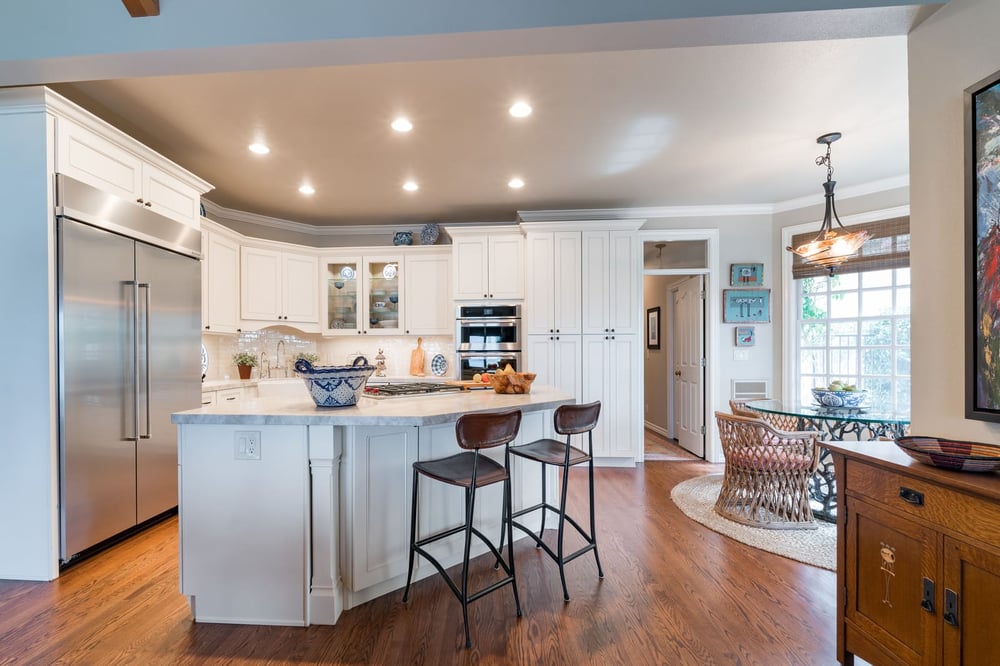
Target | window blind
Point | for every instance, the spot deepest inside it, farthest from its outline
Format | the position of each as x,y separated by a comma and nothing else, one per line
888,247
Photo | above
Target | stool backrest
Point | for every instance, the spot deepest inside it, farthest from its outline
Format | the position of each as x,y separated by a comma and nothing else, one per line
576,419
485,430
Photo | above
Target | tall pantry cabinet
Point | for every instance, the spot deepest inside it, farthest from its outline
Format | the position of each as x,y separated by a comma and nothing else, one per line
581,313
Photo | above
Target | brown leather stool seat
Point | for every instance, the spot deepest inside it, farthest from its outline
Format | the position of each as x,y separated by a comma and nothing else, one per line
569,420
471,470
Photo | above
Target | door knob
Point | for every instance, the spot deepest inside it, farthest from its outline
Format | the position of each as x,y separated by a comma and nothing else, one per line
677,373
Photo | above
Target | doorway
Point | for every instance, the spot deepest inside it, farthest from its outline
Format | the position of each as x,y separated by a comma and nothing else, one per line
679,377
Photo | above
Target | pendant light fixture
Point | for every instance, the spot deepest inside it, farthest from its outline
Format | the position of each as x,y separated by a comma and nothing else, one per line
830,248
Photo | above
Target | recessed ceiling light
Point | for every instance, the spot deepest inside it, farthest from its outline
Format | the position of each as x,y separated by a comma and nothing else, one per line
515,183
410,186
307,189
259,148
402,124
520,109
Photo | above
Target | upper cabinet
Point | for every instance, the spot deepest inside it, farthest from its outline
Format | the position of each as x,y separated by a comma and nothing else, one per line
487,263
611,281
220,282
427,288
363,294
279,287
110,163
554,274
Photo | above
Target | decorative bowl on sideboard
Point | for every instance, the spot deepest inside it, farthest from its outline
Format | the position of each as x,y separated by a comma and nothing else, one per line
829,398
951,454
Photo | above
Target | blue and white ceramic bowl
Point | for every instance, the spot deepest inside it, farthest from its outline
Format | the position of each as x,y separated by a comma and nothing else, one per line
429,234
849,399
403,238
335,385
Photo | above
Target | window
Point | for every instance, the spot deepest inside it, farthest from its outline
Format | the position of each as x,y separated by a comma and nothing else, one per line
855,327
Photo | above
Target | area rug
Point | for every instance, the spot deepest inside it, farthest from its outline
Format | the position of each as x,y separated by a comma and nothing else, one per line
696,498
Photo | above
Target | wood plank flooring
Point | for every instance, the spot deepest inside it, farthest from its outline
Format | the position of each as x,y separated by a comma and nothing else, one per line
674,592
658,447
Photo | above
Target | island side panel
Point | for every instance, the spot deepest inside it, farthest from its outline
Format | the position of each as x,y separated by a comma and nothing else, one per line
244,523
326,595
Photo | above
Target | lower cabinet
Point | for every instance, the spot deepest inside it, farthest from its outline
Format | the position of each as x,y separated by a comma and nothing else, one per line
556,361
918,558
608,377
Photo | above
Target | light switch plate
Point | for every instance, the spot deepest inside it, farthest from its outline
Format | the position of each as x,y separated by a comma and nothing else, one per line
741,354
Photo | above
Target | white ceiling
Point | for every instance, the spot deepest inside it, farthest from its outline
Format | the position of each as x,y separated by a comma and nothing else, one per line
723,123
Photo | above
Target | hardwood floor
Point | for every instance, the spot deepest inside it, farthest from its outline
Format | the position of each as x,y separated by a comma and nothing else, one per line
674,592
658,447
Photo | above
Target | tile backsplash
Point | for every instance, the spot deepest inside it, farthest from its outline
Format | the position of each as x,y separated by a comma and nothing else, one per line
277,347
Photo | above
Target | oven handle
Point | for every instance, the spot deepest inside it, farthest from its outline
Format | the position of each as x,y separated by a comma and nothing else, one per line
490,354
464,350
489,320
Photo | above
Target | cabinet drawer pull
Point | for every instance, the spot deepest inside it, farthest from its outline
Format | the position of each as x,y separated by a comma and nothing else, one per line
950,607
911,496
927,599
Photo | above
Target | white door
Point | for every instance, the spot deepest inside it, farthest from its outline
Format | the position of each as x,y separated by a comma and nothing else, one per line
689,373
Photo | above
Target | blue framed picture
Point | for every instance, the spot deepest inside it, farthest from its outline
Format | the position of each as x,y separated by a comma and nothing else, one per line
746,275
744,336
746,306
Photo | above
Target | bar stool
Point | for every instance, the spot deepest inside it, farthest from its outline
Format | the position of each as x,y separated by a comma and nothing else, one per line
569,420
471,470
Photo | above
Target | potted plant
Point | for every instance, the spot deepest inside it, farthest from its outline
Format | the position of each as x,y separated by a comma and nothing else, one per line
245,362
308,356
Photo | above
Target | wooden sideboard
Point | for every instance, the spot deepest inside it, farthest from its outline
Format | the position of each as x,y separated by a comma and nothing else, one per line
918,559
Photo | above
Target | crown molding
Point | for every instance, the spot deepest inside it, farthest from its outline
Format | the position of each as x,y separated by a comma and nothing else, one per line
567,215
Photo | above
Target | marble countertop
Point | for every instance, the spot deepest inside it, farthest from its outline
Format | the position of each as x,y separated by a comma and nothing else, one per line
414,410
225,384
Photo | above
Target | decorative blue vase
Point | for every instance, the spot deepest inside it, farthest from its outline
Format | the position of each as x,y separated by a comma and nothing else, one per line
403,238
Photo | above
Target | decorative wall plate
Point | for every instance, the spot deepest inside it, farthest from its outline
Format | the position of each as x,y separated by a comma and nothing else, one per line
439,365
347,273
389,271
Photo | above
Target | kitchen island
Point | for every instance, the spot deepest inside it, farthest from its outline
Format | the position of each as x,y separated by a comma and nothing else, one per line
291,513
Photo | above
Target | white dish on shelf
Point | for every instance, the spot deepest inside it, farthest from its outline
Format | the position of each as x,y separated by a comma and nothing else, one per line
389,271
439,365
347,273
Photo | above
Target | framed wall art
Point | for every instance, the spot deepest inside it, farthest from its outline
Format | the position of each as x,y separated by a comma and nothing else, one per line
746,275
746,306
653,328
744,336
982,259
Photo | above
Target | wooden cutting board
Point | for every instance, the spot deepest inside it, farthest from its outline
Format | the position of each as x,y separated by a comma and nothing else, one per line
469,385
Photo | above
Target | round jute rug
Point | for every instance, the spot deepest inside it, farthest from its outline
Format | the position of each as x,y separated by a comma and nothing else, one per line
696,498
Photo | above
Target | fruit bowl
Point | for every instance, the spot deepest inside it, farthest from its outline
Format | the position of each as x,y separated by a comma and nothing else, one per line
513,382
951,453
335,385
850,399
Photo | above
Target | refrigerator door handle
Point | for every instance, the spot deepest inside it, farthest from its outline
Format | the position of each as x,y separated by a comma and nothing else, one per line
135,360
148,434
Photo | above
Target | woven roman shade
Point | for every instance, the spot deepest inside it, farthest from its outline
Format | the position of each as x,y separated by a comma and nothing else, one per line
888,247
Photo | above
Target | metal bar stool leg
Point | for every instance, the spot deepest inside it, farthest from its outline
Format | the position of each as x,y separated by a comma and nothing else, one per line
545,500
593,524
562,531
413,536
510,541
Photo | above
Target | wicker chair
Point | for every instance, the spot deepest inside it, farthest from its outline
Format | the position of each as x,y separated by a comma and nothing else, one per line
778,421
766,480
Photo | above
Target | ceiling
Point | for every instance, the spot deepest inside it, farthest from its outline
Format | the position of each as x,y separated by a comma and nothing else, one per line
699,125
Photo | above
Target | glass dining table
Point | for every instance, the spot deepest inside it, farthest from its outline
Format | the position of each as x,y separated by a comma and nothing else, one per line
836,424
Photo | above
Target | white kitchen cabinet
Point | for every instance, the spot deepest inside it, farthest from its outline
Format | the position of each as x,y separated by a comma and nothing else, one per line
220,282
363,294
380,487
611,282
609,376
106,164
553,266
555,359
488,263
278,287
427,292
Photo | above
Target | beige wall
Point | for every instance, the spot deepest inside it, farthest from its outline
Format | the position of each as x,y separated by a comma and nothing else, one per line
949,52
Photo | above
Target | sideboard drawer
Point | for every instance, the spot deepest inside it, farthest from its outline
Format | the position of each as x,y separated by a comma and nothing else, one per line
944,507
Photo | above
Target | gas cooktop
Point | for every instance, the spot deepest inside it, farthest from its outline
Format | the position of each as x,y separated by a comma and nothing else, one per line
406,389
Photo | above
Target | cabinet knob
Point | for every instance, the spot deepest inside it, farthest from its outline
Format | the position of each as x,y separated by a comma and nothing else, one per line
551,331
491,295
612,337
239,330
485,296
207,327
557,330
605,337
139,200
148,204
557,337
605,330
612,330
359,332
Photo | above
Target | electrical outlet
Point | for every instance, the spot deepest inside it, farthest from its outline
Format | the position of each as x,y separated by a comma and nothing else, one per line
248,445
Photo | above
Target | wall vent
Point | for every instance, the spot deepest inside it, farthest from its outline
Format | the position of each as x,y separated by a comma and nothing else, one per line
749,389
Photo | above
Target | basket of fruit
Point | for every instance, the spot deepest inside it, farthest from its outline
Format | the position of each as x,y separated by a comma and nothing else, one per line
509,381
840,394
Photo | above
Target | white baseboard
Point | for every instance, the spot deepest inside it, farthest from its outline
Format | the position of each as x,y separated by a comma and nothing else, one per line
659,430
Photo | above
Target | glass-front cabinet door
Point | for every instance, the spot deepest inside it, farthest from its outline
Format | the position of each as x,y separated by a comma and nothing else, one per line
364,295
343,296
384,297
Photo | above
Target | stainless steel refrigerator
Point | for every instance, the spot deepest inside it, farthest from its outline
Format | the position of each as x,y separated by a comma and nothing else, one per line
129,355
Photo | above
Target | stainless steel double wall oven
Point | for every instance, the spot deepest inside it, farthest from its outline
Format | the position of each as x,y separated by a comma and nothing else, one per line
487,338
